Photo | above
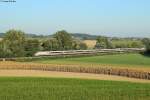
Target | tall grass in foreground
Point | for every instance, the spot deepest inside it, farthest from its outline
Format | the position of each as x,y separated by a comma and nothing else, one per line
70,89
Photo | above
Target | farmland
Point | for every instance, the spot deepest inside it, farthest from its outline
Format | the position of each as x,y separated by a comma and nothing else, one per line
77,78
70,89
113,75
127,65
90,43
128,60
121,43
75,50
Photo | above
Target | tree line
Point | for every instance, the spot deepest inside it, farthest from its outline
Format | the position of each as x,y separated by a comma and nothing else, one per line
16,44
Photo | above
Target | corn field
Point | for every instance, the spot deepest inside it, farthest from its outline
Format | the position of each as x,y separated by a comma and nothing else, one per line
126,72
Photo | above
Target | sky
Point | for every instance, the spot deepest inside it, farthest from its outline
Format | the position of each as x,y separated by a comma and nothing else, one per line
122,18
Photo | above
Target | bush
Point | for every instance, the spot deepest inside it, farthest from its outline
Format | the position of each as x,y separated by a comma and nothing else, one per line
103,43
50,45
146,42
31,47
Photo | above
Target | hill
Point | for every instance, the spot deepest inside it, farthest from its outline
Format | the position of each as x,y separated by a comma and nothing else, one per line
84,36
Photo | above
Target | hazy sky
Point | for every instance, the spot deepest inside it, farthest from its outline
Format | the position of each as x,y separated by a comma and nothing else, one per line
101,17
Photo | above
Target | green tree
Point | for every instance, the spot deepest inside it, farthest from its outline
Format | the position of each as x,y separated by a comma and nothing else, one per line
136,44
82,46
64,40
4,50
50,45
14,41
146,42
103,43
31,47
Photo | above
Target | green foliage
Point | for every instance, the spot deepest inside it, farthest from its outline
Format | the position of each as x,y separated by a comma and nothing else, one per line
50,45
82,46
2,50
31,47
71,89
146,42
64,40
14,42
127,43
79,45
103,43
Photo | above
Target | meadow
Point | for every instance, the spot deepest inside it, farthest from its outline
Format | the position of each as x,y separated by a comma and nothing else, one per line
125,60
70,89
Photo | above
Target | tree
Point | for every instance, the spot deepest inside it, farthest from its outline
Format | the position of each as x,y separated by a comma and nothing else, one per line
50,45
136,44
75,45
14,41
64,40
103,43
4,49
31,47
146,42
82,46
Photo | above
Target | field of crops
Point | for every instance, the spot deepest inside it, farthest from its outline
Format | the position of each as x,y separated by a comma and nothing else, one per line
127,65
29,88
132,72
70,89
133,60
90,43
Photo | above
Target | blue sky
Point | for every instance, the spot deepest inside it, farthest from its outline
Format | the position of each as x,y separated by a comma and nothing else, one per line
100,17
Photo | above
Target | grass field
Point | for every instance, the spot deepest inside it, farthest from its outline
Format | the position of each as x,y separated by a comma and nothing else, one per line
70,89
116,60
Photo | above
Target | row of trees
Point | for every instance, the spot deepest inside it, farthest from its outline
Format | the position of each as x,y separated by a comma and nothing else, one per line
62,40
104,42
15,44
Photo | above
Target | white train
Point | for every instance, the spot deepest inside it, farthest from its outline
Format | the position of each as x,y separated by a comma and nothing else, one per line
80,52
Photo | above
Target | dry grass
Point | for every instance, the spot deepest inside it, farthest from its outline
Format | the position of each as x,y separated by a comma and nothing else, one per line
35,73
90,43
